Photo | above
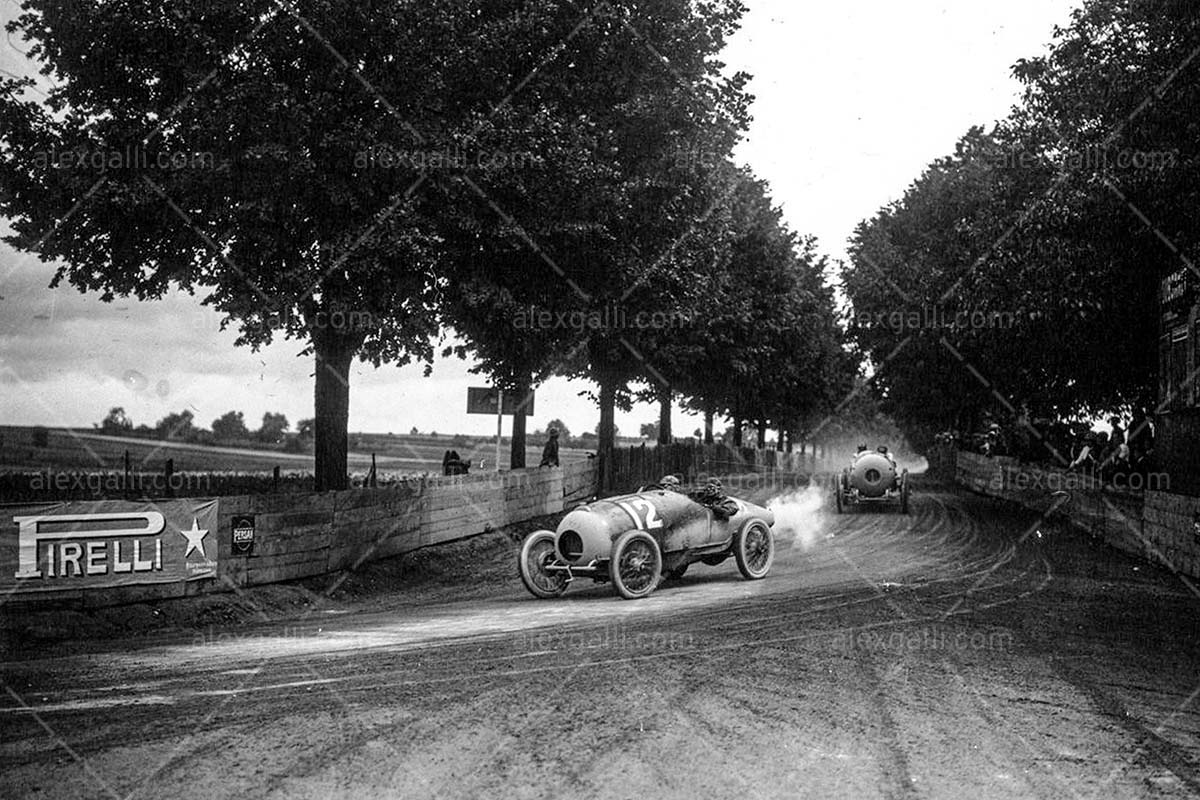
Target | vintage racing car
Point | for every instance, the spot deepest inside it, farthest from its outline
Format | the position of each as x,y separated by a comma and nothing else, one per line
872,477
634,540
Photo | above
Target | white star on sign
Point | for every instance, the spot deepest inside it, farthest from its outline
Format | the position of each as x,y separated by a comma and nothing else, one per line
195,539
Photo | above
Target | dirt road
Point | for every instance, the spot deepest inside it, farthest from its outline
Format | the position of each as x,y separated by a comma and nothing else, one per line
965,651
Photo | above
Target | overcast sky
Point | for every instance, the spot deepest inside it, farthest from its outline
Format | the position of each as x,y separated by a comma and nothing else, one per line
853,100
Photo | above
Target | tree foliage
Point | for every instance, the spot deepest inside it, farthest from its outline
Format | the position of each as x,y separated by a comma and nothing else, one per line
360,177
116,422
1023,268
231,426
273,428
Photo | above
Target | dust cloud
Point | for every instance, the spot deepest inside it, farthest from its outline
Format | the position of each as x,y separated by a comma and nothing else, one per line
800,516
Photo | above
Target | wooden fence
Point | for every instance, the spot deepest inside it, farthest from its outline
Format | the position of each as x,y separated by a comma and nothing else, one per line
636,466
308,534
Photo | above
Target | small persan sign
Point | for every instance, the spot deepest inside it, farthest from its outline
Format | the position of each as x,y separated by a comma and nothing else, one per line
243,535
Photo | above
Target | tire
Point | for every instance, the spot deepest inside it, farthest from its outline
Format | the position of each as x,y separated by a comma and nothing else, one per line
904,492
636,565
536,552
754,550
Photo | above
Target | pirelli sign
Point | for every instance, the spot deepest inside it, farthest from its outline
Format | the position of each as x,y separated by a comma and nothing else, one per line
99,544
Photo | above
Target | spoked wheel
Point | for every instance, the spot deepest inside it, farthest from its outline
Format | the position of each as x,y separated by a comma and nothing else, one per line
636,565
904,491
754,550
536,554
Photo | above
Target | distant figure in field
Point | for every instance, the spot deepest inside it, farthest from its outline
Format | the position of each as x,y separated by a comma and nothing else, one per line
550,451
452,464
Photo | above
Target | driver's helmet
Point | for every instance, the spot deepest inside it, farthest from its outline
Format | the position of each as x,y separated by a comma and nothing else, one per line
669,482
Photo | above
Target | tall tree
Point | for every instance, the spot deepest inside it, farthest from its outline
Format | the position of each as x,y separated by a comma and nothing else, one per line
1057,224
312,144
273,427
599,231
230,425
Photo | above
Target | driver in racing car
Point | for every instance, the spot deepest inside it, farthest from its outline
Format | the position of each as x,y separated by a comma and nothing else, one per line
712,495
669,483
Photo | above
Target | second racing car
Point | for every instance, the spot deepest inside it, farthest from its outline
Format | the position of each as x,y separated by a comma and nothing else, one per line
872,478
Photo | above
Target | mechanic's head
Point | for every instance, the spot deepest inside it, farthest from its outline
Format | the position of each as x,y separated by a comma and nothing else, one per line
553,433
713,483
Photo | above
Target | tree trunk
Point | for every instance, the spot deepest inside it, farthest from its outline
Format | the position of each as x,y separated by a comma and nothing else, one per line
779,440
738,424
516,458
607,431
331,406
664,416
708,425
762,434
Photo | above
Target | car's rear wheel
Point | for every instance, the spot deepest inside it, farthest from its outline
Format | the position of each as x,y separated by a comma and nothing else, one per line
537,552
754,550
636,565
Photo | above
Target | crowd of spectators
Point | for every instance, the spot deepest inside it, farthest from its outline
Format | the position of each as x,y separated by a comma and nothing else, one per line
1109,456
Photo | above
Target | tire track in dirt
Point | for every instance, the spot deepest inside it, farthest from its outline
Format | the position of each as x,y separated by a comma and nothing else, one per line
893,758
1151,747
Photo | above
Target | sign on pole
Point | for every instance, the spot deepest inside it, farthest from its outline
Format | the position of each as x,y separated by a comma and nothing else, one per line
488,400
485,400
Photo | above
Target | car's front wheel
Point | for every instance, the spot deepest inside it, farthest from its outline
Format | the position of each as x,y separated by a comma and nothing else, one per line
754,550
537,553
636,565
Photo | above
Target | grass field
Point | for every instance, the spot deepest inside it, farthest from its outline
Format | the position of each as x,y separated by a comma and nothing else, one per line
81,450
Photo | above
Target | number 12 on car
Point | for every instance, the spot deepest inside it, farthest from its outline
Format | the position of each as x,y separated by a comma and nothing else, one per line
642,512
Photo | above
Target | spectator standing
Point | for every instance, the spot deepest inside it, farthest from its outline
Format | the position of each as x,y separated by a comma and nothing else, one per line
1118,433
550,451
1140,440
1085,460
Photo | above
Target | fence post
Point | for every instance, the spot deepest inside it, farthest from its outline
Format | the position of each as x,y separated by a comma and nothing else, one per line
275,479
126,474
168,472
372,476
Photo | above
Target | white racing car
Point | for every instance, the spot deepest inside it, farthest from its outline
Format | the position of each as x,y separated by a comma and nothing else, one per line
872,478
